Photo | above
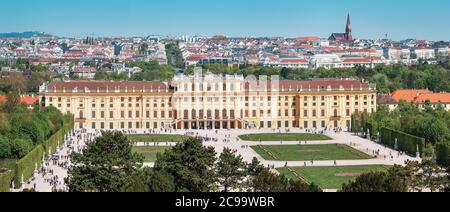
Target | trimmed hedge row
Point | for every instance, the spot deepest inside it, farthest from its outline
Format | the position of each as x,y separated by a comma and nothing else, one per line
405,142
443,154
26,166
55,141
5,181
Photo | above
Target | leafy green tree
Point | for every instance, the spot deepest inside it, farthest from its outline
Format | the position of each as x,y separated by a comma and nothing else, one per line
12,102
375,182
20,147
191,164
298,187
152,71
255,167
33,129
431,176
267,181
143,49
135,183
5,148
159,181
231,170
174,55
105,165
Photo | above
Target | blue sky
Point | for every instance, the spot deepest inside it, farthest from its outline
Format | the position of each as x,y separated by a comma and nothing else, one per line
422,19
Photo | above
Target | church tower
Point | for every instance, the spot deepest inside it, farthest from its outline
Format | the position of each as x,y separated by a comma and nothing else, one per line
348,29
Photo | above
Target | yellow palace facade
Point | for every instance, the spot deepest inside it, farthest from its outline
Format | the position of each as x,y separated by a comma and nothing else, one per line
211,102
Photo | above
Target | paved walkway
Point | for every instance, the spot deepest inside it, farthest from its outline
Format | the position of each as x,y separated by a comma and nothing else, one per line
223,138
52,174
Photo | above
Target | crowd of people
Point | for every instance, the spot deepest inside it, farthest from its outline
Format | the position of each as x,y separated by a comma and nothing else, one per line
54,170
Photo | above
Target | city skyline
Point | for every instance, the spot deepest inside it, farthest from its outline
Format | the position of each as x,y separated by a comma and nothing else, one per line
231,18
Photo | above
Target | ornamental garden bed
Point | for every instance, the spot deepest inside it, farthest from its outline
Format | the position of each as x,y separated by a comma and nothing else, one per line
309,152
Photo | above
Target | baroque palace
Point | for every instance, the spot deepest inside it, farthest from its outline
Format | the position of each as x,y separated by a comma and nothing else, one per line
211,102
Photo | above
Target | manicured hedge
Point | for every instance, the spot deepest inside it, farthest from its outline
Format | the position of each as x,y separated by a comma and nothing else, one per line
5,181
26,166
406,142
53,143
443,154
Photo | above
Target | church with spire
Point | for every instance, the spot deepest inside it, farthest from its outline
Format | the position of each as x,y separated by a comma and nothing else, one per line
343,37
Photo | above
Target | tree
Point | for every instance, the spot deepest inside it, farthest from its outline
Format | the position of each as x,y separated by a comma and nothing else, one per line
377,182
143,49
20,147
267,181
12,102
135,183
254,168
105,165
191,164
158,181
5,148
431,176
230,170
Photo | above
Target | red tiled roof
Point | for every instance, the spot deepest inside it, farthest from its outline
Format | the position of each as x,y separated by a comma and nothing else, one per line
105,86
356,60
197,57
297,60
433,98
315,84
309,38
408,95
360,50
29,100
305,47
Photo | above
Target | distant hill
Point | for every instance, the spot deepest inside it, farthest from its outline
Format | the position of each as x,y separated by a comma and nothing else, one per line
23,34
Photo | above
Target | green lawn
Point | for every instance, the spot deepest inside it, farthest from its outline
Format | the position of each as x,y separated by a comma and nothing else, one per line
150,152
284,137
331,177
309,152
157,138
